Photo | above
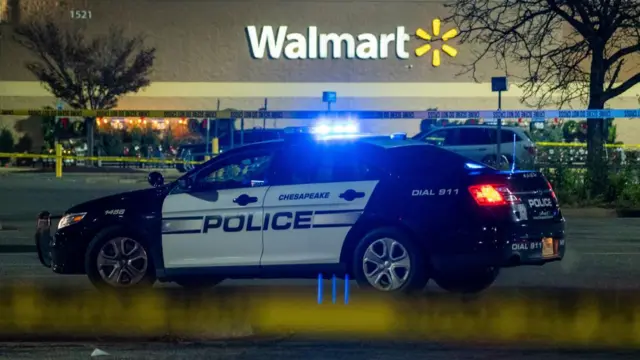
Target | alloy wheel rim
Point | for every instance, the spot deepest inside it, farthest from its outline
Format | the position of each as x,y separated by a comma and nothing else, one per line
122,262
386,264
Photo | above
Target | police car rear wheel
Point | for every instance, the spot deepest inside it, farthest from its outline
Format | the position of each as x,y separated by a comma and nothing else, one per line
470,283
116,260
388,261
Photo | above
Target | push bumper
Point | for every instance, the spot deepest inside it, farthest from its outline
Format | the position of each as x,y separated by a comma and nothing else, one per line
54,251
503,246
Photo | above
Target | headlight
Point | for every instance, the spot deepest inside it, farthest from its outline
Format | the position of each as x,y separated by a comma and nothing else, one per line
70,219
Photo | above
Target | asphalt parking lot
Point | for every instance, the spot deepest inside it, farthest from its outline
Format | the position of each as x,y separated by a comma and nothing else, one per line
602,253
288,348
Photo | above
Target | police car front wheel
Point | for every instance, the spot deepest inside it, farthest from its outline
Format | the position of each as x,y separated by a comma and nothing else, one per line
388,260
117,260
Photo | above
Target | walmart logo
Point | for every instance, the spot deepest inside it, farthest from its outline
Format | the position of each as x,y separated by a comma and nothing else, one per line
271,42
435,54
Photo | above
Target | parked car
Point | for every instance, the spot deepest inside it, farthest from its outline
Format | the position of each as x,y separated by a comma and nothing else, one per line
478,142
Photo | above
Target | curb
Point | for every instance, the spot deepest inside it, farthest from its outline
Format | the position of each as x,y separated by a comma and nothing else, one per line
560,317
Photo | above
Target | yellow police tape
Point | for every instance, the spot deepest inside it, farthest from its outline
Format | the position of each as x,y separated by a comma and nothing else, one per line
178,161
559,144
310,114
576,318
100,158
204,114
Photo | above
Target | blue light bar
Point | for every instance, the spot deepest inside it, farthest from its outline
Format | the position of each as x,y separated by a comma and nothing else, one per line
335,127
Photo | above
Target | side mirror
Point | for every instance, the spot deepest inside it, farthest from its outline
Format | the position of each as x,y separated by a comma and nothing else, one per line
155,179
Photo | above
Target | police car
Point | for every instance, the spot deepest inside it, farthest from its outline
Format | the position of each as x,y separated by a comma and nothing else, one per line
391,212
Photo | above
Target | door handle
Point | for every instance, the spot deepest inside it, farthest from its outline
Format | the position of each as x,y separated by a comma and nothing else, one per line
244,200
351,195
481,149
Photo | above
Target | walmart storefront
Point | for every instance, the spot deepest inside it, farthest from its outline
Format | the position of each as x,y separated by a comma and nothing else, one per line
240,52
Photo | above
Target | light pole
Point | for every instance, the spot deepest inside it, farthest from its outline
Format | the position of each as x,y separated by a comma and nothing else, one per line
264,116
499,84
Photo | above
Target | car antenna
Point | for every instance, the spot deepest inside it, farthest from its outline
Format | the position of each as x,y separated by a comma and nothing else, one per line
513,157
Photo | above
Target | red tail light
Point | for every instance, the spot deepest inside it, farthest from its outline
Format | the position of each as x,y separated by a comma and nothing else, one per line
532,150
488,195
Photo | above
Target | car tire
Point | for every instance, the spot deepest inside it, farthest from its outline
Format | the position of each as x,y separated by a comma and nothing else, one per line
198,283
43,246
397,254
469,283
117,260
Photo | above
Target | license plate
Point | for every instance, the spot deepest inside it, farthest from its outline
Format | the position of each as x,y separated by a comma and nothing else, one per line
549,248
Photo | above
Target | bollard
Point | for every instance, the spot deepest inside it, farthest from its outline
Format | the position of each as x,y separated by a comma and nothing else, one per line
58,160
215,146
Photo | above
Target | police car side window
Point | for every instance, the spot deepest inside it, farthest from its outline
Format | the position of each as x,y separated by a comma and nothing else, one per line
339,165
237,172
322,164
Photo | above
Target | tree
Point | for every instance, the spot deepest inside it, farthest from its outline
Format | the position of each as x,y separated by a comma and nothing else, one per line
569,50
86,73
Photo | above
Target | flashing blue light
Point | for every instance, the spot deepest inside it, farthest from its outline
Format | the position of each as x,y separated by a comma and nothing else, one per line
340,136
474,166
329,128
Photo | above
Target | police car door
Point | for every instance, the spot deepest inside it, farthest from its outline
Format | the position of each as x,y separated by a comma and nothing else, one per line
216,221
316,196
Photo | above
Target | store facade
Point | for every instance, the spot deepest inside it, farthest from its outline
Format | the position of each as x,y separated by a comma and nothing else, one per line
241,52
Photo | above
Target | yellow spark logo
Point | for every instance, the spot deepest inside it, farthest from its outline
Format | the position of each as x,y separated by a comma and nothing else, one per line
447,49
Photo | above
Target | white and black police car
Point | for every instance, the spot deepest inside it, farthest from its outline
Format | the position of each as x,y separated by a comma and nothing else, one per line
390,212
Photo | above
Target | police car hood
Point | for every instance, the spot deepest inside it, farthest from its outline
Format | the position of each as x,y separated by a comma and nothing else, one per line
144,199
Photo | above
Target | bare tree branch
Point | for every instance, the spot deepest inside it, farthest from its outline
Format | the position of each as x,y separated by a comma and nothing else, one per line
614,77
617,56
617,91
566,50
555,43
